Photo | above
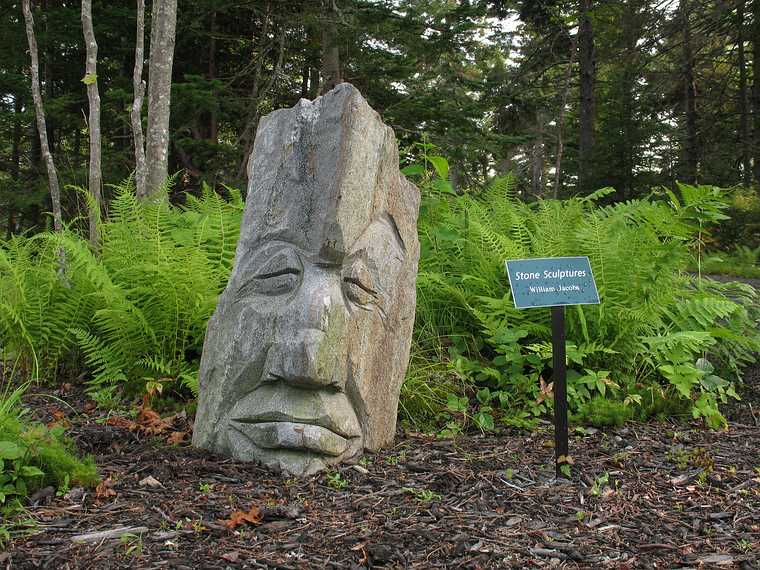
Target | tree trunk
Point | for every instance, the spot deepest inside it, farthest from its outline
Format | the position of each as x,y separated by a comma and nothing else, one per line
305,80
18,107
743,105
330,51
93,97
248,135
587,63
632,32
561,119
755,40
138,87
162,38
690,147
537,158
213,126
15,166
47,156
47,79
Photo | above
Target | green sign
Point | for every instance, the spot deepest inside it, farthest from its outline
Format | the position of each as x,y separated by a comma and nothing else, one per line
552,282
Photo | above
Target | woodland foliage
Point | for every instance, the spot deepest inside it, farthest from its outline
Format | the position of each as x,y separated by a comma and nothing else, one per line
661,342
136,312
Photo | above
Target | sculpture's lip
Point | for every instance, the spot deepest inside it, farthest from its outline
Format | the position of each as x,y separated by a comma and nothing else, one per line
293,435
325,422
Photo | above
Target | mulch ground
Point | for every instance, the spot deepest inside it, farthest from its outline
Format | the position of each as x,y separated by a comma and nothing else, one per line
657,495
642,496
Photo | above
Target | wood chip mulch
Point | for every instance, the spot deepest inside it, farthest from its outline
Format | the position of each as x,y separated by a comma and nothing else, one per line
655,495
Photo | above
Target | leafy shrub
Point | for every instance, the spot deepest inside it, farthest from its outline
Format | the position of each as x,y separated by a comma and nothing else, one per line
32,455
602,412
743,228
655,326
137,310
741,262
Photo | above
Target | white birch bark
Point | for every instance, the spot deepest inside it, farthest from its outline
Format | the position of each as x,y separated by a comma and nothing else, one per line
93,97
47,156
162,37
138,86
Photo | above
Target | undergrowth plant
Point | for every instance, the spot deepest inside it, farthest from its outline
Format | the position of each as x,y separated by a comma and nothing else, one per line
658,333
136,310
33,455
660,343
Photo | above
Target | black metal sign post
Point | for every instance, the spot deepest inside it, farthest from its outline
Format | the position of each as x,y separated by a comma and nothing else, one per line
559,378
554,282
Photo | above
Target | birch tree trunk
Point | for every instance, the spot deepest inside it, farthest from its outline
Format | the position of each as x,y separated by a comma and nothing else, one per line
93,97
47,156
138,86
162,38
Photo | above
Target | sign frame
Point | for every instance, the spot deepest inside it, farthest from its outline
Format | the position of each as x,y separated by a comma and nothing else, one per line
559,358
590,277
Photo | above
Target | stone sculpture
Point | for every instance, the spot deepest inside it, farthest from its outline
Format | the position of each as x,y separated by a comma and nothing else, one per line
305,354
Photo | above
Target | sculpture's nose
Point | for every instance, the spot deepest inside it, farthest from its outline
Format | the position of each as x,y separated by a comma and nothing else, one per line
315,354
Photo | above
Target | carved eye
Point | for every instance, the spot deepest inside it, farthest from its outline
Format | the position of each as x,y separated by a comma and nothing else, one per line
279,275
359,286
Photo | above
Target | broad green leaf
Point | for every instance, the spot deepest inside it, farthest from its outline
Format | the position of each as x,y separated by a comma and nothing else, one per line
31,471
10,450
441,166
413,169
443,186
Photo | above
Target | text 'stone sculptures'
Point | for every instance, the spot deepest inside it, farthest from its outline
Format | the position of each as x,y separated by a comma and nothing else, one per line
305,354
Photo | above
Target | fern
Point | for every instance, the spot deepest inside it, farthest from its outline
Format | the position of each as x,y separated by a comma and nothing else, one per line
652,318
146,298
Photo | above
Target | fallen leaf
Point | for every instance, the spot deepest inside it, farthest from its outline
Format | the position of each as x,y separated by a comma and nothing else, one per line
104,490
176,437
150,422
239,517
231,556
150,481
121,422
546,391
59,419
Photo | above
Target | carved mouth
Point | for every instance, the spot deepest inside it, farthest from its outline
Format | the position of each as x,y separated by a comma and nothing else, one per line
292,434
323,421
279,416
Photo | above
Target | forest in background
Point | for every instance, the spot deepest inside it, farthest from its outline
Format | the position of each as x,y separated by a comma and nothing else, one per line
571,96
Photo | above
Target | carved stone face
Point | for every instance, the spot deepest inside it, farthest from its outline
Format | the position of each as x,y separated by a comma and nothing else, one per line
305,355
